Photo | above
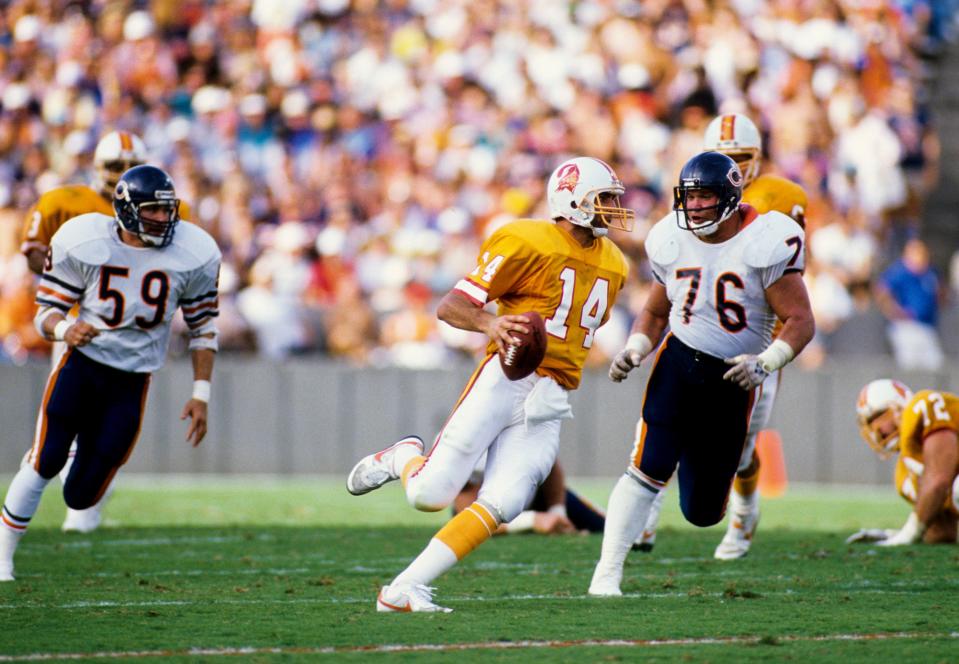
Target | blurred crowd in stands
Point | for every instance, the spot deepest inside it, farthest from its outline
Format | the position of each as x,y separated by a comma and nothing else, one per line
350,156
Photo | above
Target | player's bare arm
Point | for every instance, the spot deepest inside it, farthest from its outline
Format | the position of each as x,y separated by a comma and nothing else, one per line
196,408
645,334
790,301
459,312
36,257
940,451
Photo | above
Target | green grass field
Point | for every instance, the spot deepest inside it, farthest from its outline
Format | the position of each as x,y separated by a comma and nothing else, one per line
194,570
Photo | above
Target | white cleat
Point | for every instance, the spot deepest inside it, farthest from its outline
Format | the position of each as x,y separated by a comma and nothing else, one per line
606,582
408,598
6,570
739,535
81,521
375,470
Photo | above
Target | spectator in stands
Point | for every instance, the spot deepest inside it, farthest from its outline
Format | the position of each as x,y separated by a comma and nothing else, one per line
379,120
908,294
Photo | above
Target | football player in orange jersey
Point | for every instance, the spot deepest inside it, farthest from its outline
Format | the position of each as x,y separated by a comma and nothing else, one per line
569,272
736,136
924,429
116,152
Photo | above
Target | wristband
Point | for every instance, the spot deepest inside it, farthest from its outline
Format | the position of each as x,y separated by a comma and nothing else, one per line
776,356
558,508
201,390
640,343
60,329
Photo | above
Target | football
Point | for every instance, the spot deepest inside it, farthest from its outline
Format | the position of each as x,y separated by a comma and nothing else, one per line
522,358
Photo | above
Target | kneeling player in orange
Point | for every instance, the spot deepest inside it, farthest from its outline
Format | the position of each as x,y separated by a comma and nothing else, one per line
569,273
924,429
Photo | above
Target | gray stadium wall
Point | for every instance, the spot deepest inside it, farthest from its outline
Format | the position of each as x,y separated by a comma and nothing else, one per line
318,417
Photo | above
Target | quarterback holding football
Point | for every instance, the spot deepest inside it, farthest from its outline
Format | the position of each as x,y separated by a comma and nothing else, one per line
569,273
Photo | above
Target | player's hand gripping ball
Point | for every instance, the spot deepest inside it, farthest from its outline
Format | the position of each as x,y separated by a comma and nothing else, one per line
522,358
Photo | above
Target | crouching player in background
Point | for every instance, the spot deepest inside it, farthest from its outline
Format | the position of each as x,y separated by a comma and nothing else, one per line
128,273
554,508
569,273
924,429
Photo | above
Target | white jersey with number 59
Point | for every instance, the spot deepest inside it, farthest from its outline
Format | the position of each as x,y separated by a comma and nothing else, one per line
130,294
717,291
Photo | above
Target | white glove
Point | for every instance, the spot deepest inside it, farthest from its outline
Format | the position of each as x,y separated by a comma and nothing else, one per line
871,535
748,371
637,347
910,533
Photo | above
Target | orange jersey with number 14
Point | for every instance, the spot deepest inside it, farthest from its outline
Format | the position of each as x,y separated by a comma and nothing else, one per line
533,265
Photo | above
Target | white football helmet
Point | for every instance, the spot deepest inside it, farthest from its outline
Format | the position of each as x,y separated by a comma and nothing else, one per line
880,406
573,194
736,136
117,152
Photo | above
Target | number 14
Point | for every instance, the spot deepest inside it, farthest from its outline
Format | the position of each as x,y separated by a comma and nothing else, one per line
592,313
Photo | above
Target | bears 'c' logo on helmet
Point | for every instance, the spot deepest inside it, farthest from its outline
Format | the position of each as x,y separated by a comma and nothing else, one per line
568,177
735,176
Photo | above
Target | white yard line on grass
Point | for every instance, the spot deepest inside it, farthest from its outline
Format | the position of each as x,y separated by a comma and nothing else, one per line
865,588
455,647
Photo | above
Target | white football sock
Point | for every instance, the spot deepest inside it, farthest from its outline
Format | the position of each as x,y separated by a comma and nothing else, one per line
652,520
402,455
739,503
626,516
435,559
23,498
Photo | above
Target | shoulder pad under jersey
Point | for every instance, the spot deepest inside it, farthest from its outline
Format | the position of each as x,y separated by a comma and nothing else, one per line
613,257
662,244
767,244
196,242
85,238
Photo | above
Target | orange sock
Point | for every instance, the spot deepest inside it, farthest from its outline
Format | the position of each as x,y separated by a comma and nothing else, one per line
745,484
468,529
411,467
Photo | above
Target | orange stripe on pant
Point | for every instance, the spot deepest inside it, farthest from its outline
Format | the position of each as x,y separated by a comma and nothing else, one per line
411,472
41,431
136,437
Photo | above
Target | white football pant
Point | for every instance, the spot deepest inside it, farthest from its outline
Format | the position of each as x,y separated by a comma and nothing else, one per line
490,417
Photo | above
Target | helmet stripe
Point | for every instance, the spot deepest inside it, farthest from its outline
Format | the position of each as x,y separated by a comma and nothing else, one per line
126,143
727,131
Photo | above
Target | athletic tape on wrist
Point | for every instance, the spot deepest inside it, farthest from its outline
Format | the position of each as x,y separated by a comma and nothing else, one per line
776,356
60,330
201,390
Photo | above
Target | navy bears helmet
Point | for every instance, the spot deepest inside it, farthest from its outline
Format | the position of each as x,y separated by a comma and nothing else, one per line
143,187
714,172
